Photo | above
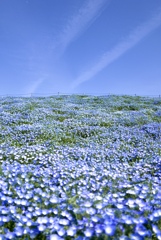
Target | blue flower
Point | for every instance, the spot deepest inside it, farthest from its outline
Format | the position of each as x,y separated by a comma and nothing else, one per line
110,229
55,237
88,232
71,231
19,231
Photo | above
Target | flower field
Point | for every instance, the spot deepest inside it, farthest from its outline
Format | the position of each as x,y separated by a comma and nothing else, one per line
80,167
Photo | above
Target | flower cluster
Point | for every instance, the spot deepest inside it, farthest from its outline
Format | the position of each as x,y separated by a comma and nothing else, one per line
80,167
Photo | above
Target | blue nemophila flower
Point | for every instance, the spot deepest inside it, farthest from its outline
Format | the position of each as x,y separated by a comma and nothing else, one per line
99,228
61,232
41,227
33,232
4,210
55,211
110,229
19,231
156,230
24,219
12,209
141,203
88,232
64,221
71,231
159,236
54,199
10,235
29,215
157,213
31,209
95,219
136,236
99,205
42,220
88,204
91,211
5,219
2,237
120,206
51,220
45,211
10,200
142,220
57,226
131,203
24,202
30,223
141,230
55,237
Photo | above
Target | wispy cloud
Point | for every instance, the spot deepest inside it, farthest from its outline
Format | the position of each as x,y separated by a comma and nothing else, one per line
35,85
78,23
110,56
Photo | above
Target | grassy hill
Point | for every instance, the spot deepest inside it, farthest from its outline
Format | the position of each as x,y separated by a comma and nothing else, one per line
80,167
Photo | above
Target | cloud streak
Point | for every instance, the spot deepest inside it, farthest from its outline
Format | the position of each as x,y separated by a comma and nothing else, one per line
36,84
110,56
78,23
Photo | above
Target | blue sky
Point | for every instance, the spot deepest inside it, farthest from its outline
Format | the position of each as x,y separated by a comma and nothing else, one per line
80,46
